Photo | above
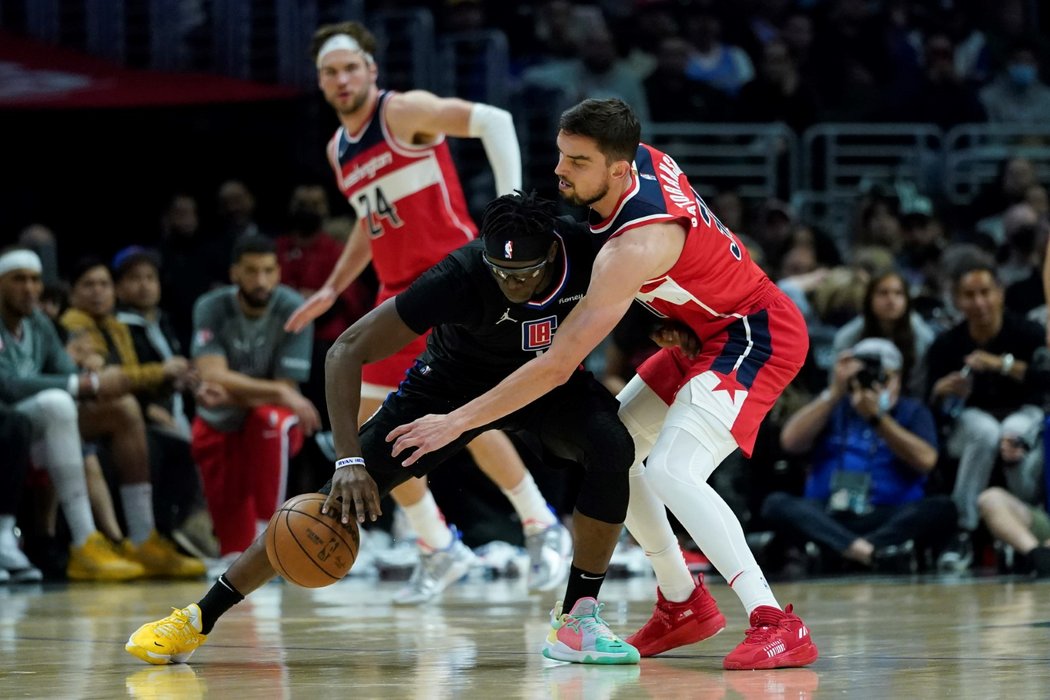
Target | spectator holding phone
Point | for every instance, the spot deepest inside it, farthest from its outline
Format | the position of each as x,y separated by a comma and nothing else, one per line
981,361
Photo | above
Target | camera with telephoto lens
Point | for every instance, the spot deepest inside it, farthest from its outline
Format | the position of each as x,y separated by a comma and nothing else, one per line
871,372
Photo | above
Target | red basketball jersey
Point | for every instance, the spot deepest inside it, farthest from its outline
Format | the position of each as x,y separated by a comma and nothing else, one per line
407,198
714,279
753,339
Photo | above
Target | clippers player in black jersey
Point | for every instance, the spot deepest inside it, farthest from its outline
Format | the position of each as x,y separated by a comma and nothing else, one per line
491,306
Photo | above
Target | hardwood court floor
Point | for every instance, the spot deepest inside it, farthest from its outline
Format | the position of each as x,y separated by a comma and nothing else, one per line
888,638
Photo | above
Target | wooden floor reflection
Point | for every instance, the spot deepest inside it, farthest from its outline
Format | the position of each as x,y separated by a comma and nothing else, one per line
878,639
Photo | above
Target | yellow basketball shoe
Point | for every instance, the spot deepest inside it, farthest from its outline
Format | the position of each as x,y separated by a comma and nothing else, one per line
98,560
160,559
171,640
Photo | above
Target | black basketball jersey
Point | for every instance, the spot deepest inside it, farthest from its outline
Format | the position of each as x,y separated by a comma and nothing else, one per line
479,337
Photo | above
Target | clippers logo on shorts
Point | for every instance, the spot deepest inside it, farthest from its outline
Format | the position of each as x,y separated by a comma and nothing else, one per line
204,336
538,334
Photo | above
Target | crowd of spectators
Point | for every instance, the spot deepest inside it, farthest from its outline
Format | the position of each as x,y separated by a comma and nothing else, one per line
912,440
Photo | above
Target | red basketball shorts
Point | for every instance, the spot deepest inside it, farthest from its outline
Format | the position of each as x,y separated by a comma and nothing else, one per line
740,371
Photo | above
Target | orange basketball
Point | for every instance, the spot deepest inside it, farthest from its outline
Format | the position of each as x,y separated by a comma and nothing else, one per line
310,549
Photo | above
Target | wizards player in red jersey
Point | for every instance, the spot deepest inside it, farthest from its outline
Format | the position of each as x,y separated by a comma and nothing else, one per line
392,163
686,412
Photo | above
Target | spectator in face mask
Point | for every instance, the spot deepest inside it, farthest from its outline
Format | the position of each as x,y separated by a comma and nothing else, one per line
307,254
872,451
1017,95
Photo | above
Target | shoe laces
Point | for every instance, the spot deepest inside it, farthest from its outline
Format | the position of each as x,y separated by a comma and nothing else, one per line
765,623
662,614
176,626
592,623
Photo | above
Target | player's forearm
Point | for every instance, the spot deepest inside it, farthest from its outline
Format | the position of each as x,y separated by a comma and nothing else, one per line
342,372
495,128
803,428
907,446
356,255
248,391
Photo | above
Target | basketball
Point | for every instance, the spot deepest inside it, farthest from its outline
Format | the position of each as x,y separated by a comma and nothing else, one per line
310,549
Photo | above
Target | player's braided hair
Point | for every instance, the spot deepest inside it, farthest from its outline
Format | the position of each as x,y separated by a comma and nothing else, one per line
518,215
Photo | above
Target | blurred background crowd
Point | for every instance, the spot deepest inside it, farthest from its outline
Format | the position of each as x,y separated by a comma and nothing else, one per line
886,162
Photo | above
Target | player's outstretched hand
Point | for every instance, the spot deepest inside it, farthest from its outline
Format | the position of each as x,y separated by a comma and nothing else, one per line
309,418
676,335
319,302
426,434
357,490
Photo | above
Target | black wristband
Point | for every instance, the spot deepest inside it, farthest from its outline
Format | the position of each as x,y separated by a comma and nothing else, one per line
876,420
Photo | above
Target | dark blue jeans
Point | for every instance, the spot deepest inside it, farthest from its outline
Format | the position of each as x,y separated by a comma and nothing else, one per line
929,521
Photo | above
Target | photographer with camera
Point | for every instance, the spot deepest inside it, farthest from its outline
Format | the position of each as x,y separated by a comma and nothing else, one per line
872,450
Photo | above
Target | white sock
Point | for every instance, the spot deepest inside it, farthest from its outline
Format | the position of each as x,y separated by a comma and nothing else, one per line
60,452
648,524
7,532
751,587
71,490
672,574
428,522
532,508
138,510
80,520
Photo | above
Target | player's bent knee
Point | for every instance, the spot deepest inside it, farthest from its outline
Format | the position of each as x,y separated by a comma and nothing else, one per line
776,506
604,497
611,451
58,405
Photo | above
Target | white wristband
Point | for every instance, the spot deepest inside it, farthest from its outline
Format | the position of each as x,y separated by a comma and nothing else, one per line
1008,363
349,462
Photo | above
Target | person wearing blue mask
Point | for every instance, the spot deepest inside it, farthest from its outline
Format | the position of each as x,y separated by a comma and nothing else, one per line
872,451
1017,95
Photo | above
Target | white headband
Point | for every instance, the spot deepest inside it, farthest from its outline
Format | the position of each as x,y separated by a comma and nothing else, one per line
20,260
342,42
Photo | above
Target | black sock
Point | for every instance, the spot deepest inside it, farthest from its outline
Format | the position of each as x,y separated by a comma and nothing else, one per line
582,584
217,601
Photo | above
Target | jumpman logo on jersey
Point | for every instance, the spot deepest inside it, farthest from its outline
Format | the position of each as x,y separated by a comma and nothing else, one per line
729,384
506,317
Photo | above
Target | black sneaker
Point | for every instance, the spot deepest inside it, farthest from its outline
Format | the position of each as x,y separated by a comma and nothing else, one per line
895,559
957,556
1040,560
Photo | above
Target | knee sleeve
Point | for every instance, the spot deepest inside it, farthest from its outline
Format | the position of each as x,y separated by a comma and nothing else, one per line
642,413
604,495
608,447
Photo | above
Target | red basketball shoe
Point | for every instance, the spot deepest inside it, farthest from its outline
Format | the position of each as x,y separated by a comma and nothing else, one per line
677,624
776,639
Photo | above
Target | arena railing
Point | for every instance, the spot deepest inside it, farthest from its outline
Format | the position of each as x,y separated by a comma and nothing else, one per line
756,160
841,156
974,155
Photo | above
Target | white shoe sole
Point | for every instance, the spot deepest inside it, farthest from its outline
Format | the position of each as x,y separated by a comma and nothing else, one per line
560,652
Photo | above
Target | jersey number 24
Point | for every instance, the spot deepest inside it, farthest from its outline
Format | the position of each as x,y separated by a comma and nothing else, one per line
376,206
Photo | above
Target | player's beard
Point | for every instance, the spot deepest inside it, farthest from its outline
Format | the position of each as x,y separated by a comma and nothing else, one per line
574,198
355,104
256,298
